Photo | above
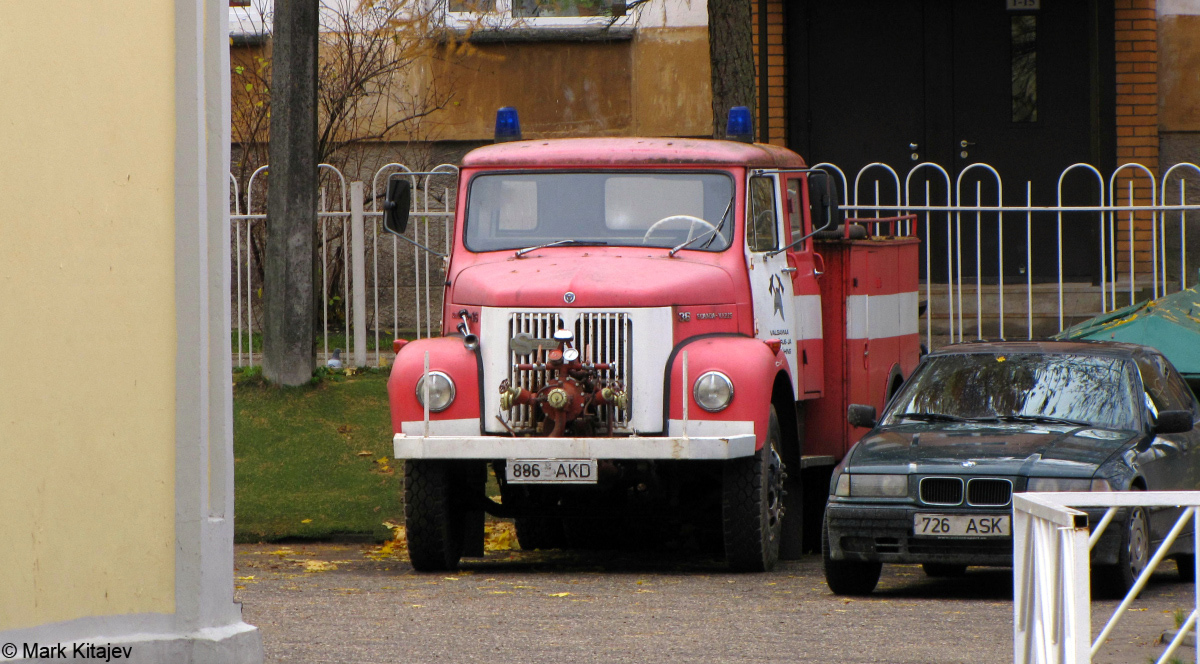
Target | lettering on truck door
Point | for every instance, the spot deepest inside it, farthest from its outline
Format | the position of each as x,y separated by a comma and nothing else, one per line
770,276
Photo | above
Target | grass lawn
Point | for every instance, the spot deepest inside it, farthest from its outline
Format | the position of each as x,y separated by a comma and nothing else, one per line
314,461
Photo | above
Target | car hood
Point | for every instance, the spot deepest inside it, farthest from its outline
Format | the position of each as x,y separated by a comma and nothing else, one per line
1053,450
595,280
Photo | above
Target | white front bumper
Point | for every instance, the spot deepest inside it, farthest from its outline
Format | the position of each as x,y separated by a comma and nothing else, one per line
642,447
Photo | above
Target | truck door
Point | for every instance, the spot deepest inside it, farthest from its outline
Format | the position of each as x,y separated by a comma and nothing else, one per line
770,276
806,331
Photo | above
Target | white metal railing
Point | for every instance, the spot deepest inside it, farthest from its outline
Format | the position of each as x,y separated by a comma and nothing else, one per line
1051,575
877,189
1115,212
348,234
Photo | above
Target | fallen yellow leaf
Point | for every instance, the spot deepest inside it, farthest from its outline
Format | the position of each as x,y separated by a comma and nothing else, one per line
559,594
318,566
305,520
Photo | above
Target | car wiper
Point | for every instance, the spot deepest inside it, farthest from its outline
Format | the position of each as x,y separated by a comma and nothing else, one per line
559,243
1042,418
932,417
711,235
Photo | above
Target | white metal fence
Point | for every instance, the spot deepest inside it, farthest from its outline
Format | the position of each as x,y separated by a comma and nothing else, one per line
1052,621
374,282
879,190
360,264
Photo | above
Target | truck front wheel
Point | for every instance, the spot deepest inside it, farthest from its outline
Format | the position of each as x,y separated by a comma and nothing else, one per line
752,505
435,517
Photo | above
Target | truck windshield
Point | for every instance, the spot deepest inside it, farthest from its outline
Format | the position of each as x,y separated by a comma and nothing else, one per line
1083,390
519,210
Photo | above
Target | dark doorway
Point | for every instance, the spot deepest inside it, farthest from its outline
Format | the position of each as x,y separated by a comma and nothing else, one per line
958,82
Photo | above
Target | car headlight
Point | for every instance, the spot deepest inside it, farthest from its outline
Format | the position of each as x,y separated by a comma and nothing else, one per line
1045,484
713,391
871,486
441,391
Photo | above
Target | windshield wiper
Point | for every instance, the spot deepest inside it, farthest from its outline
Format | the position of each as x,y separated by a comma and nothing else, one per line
709,234
559,243
931,417
1042,418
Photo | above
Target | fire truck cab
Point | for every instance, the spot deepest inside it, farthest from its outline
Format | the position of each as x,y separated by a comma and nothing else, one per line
640,331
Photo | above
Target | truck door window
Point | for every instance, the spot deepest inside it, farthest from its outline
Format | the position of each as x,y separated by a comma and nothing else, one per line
795,217
761,225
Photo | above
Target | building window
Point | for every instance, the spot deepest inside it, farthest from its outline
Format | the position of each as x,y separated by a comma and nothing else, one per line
1024,68
533,13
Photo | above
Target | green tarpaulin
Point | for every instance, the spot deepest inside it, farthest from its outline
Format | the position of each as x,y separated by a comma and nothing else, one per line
1171,324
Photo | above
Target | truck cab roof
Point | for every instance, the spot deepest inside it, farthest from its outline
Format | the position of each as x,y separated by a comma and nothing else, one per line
616,152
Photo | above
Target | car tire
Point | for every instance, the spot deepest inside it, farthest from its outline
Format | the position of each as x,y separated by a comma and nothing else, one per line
433,523
847,577
752,505
540,533
1185,563
1114,581
943,570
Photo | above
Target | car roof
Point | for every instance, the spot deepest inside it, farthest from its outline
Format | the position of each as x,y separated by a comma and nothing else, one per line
1049,347
631,152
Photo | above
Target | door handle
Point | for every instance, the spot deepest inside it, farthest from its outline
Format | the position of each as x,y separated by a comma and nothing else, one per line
965,143
788,270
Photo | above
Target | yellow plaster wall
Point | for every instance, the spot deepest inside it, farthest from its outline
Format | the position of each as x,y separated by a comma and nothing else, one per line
1179,73
87,314
672,82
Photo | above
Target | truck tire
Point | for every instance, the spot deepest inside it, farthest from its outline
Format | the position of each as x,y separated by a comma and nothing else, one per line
751,506
433,523
847,577
538,532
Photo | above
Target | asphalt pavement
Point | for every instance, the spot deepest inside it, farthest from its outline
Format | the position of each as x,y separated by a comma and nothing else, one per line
360,604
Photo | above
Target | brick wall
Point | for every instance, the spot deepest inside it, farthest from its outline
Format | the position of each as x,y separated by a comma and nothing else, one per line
776,71
1136,31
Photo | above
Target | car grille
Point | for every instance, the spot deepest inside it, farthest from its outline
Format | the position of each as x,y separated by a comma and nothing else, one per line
600,337
989,491
941,490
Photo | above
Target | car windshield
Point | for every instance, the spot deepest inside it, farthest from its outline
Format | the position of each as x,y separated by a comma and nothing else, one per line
521,210
1083,390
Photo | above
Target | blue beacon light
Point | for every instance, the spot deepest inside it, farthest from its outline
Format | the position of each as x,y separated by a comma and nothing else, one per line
739,127
508,126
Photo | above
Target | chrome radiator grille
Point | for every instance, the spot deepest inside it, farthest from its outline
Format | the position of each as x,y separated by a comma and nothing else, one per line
599,336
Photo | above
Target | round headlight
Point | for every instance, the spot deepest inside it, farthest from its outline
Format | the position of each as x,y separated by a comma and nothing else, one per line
713,391
441,391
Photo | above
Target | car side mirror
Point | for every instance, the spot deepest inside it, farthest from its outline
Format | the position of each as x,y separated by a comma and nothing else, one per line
396,206
861,416
1173,421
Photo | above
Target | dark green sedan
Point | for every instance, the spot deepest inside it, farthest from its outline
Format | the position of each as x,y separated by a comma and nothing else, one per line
932,482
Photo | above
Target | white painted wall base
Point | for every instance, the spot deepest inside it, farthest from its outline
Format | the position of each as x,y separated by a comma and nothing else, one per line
237,643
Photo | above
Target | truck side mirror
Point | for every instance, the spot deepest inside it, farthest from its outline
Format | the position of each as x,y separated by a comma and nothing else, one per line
1174,421
824,201
861,416
396,205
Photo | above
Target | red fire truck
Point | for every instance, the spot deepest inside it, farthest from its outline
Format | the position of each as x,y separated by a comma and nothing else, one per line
646,331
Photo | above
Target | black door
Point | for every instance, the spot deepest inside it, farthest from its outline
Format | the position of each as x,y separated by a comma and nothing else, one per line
964,81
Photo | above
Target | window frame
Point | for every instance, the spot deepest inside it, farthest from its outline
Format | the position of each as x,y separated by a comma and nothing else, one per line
773,178
501,18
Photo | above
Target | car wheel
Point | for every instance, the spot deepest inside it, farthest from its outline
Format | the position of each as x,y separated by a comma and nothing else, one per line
1186,564
434,525
847,577
940,570
1114,581
752,505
